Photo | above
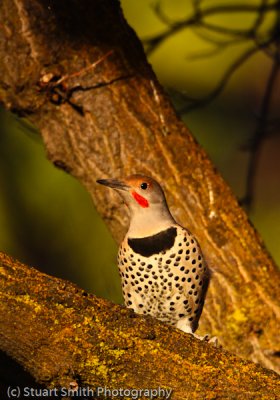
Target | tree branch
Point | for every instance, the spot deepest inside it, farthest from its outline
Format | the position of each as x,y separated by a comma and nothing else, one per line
63,335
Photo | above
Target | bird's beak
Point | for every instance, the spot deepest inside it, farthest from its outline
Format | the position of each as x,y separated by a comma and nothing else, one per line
114,184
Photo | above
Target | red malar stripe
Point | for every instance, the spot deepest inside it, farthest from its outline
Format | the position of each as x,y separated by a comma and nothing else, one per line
140,200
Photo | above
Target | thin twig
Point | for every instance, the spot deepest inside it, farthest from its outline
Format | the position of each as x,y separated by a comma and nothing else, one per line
83,70
223,81
197,19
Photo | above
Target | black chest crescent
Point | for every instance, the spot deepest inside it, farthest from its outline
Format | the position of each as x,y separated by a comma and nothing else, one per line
155,244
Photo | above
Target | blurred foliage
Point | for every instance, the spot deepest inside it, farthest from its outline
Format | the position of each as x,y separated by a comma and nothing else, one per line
48,220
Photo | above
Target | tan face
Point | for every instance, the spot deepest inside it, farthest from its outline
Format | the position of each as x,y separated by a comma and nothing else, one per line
145,199
141,190
137,190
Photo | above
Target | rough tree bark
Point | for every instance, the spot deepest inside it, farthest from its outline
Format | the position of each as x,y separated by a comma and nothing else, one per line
64,335
113,119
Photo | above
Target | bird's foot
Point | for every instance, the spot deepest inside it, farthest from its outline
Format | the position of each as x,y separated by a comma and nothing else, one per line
207,338
185,327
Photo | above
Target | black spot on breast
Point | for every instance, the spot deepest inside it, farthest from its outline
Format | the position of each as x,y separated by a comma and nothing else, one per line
155,244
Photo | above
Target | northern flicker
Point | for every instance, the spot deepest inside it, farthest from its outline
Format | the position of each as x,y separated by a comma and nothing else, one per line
161,265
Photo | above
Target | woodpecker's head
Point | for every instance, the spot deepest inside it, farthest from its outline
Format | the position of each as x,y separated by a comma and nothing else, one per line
138,191
145,200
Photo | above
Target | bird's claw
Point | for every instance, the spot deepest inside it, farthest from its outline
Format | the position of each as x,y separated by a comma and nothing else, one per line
212,340
207,338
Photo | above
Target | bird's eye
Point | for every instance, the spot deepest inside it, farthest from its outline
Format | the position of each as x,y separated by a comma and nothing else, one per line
144,185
